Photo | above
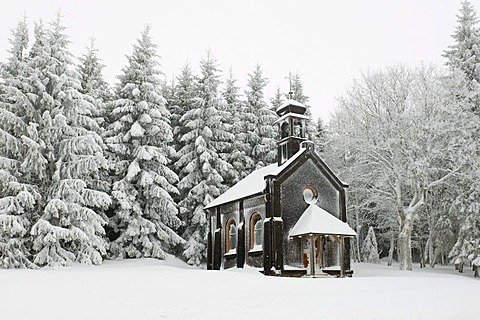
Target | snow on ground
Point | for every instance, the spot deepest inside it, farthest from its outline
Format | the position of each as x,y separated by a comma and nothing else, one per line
151,289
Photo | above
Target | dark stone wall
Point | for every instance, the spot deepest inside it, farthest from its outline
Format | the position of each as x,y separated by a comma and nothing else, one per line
228,211
229,261
293,204
251,205
255,259
257,204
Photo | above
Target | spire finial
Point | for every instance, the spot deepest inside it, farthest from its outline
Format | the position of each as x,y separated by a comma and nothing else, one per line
290,93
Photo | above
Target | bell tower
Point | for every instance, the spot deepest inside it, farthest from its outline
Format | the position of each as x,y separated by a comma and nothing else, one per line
292,129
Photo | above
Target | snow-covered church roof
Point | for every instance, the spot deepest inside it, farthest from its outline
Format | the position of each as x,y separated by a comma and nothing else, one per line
315,220
291,106
253,183
290,102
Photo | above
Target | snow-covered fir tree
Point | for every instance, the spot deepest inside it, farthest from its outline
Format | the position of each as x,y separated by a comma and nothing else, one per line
264,139
463,59
370,248
199,162
225,144
464,54
296,89
168,90
243,126
90,69
93,84
21,162
182,101
70,227
140,138
98,92
320,135
277,100
464,214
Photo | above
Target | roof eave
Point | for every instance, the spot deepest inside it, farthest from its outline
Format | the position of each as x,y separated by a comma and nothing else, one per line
208,207
322,234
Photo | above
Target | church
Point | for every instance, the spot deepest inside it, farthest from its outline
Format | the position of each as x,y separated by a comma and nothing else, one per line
288,218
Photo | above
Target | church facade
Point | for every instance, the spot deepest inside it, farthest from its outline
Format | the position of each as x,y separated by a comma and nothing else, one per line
251,223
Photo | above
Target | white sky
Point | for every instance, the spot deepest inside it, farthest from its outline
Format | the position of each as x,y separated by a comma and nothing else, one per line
327,42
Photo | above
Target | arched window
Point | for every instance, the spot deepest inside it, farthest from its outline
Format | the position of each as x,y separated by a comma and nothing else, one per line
256,230
231,235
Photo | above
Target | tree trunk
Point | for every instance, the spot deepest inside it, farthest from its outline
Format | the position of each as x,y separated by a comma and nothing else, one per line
392,248
432,257
404,243
422,256
426,252
359,228
429,248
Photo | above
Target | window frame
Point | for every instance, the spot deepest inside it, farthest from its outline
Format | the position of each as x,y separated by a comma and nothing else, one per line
253,219
284,130
314,192
228,234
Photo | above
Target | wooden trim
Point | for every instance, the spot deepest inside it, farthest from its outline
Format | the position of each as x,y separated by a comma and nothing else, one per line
342,258
227,233
252,228
312,255
261,193
209,242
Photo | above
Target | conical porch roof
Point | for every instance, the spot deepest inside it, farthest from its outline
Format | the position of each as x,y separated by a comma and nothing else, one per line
315,220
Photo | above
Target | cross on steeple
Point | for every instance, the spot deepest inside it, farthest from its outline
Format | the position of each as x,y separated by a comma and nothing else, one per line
290,92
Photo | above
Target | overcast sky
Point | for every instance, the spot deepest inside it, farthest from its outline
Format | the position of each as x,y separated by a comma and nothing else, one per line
327,42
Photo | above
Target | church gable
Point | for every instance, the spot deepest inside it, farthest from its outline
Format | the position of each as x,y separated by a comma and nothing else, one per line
292,202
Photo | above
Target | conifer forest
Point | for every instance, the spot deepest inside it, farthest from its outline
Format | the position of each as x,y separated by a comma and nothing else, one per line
92,170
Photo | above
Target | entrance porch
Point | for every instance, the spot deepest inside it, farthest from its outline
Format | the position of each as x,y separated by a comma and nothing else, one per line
321,234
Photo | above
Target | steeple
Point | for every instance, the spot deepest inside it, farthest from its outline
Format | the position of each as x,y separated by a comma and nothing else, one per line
292,129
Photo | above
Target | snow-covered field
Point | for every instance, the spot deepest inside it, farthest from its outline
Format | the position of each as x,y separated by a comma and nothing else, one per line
152,289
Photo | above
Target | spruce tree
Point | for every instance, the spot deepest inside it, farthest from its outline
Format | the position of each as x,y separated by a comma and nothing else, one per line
463,59
140,138
243,125
370,248
199,162
98,92
21,162
182,100
464,54
296,89
466,204
277,100
320,136
263,141
168,93
93,84
70,227
225,143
